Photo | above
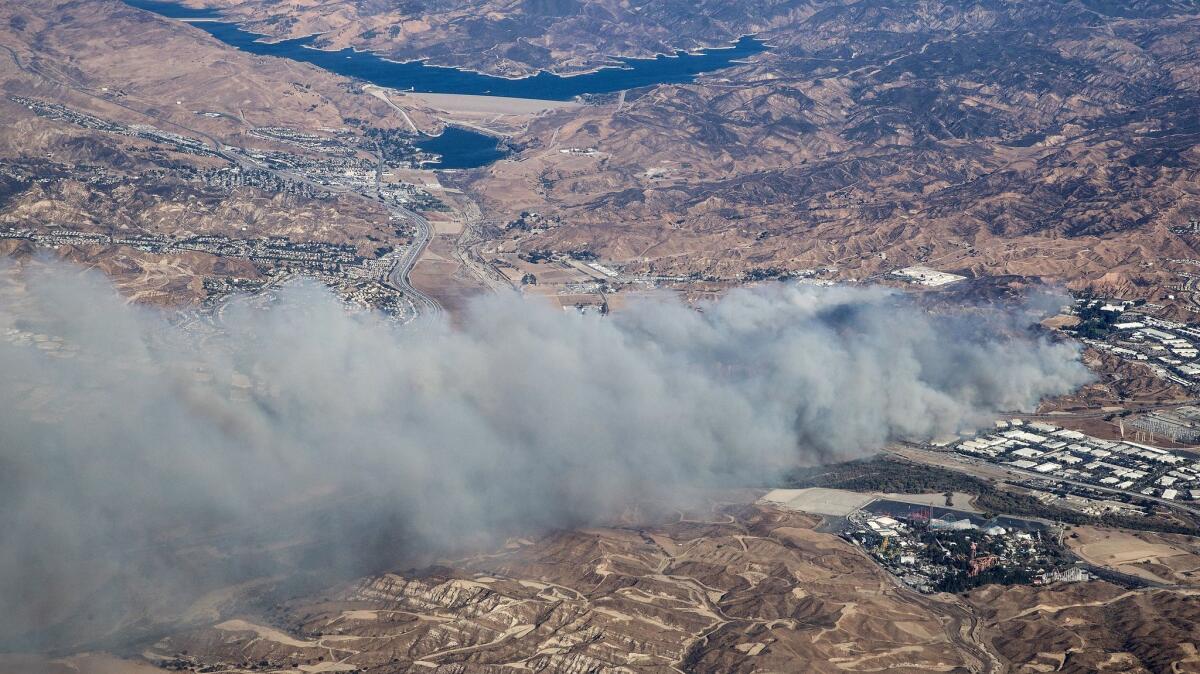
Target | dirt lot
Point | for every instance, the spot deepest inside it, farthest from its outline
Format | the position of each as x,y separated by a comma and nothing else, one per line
1159,558
841,502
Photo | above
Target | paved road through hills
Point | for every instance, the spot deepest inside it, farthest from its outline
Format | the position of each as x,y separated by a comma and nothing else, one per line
398,277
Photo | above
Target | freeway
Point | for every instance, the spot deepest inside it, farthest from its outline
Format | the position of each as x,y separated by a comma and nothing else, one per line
381,94
1102,413
397,278
973,466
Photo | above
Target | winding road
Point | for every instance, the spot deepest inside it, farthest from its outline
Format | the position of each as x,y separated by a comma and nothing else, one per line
397,278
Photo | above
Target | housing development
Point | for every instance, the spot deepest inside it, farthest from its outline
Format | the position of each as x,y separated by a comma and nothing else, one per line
366,282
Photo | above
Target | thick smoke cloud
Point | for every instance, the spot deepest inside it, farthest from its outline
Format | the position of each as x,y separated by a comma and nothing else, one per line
192,460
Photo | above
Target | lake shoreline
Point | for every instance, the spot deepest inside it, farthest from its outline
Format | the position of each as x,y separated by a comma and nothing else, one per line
420,76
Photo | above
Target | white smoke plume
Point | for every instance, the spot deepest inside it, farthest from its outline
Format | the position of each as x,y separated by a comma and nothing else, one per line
128,443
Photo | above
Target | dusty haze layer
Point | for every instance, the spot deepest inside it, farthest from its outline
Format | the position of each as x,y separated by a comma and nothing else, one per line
129,446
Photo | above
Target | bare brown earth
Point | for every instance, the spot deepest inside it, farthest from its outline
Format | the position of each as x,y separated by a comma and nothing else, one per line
681,185
1162,558
1119,383
512,38
1091,627
122,65
441,275
1035,139
148,63
745,589
1054,140
1042,139
740,589
1013,161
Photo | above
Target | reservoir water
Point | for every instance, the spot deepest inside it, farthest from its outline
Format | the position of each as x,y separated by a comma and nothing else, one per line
461,148
678,68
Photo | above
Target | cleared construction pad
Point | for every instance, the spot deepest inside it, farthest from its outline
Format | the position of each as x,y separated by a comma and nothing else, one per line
818,501
842,502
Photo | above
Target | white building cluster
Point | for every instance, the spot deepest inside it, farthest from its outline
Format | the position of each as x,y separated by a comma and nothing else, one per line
926,276
1048,450
1168,347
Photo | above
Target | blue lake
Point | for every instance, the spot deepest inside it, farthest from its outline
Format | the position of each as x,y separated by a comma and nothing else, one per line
678,68
461,148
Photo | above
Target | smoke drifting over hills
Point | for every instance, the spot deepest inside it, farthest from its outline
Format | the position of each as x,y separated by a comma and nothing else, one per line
152,449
